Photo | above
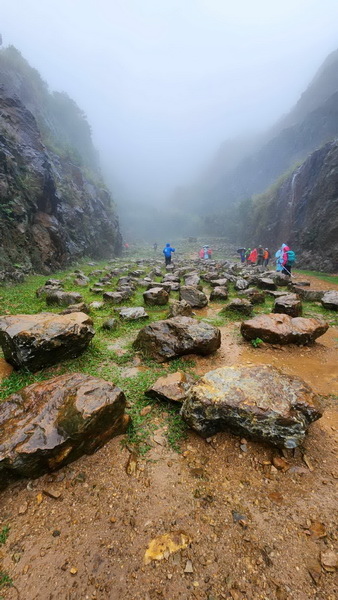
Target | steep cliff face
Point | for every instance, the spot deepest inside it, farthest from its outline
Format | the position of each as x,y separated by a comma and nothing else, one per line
302,211
51,212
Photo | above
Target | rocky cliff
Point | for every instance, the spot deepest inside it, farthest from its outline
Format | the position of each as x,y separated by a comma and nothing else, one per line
302,211
54,207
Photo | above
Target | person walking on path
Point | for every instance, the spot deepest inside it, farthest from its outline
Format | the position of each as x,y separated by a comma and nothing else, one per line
167,253
252,258
155,246
267,257
260,256
241,252
279,258
289,259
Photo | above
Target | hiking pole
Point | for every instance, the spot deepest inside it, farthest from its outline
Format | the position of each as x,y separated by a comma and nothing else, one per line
285,269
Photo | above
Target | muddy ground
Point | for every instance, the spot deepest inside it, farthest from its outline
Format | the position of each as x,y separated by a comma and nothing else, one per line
254,531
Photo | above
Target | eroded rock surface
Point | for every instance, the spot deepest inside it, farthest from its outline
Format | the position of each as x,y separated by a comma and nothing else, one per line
238,305
156,296
289,305
260,402
193,296
165,340
45,339
330,300
179,308
61,298
52,423
283,329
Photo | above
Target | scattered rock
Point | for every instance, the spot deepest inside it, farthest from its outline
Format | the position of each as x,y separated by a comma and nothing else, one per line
288,305
173,387
188,567
238,305
42,340
179,308
110,324
134,313
219,293
52,423
266,283
193,296
62,298
253,295
241,284
80,307
156,296
308,295
330,300
164,340
260,402
329,560
114,297
283,329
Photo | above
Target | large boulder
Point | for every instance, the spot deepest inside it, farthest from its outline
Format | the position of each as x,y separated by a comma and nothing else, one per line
219,293
259,402
173,387
265,283
289,305
179,308
283,329
165,340
156,296
37,341
193,296
52,423
61,298
330,300
192,279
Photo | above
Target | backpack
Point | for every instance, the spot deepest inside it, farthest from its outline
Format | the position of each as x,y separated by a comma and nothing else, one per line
291,257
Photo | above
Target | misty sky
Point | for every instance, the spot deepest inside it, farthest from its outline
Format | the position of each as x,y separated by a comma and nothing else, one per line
164,82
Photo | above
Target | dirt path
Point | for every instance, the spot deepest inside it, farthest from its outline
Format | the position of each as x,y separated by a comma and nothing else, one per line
89,540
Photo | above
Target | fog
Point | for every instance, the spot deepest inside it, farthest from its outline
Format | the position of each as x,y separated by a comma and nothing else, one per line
164,82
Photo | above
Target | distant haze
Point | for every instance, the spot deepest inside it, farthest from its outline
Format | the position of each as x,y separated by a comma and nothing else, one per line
164,82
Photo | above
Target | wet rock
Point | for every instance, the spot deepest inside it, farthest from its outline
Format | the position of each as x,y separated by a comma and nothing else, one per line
308,295
114,297
173,387
81,281
193,296
260,402
283,329
238,305
37,341
50,424
156,296
134,313
45,289
281,280
265,283
167,285
192,280
277,294
223,282
110,324
219,293
241,284
289,305
96,305
165,340
179,308
171,277
62,298
330,300
80,307
253,295
96,289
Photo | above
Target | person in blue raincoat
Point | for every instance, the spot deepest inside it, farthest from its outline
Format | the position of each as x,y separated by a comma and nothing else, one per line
280,258
167,253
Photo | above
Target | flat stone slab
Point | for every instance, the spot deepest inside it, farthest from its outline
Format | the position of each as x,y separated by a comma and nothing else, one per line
260,402
61,298
134,313
330,300
308,294
52,423
37,341
283,329
171,338
173,387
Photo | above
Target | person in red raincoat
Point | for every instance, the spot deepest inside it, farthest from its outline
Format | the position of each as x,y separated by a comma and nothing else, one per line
252,258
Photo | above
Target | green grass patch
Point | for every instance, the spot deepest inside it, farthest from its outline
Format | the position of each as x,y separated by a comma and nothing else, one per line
4,533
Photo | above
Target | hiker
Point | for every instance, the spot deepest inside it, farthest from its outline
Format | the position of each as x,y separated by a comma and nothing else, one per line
260,256
205,252
155,246
167,253
267,257
246,255
252,258
289,258
241,252
279,258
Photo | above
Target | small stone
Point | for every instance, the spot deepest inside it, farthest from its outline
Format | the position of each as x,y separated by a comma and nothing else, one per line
73,571
112,519
55,494
23,508
56,533
188,567
329,560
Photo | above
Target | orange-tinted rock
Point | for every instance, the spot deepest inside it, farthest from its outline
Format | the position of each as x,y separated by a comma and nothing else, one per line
42,340
50,424
260,402
5,369
283,329
173,387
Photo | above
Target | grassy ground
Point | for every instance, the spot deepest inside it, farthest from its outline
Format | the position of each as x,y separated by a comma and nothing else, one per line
111,353
324,276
